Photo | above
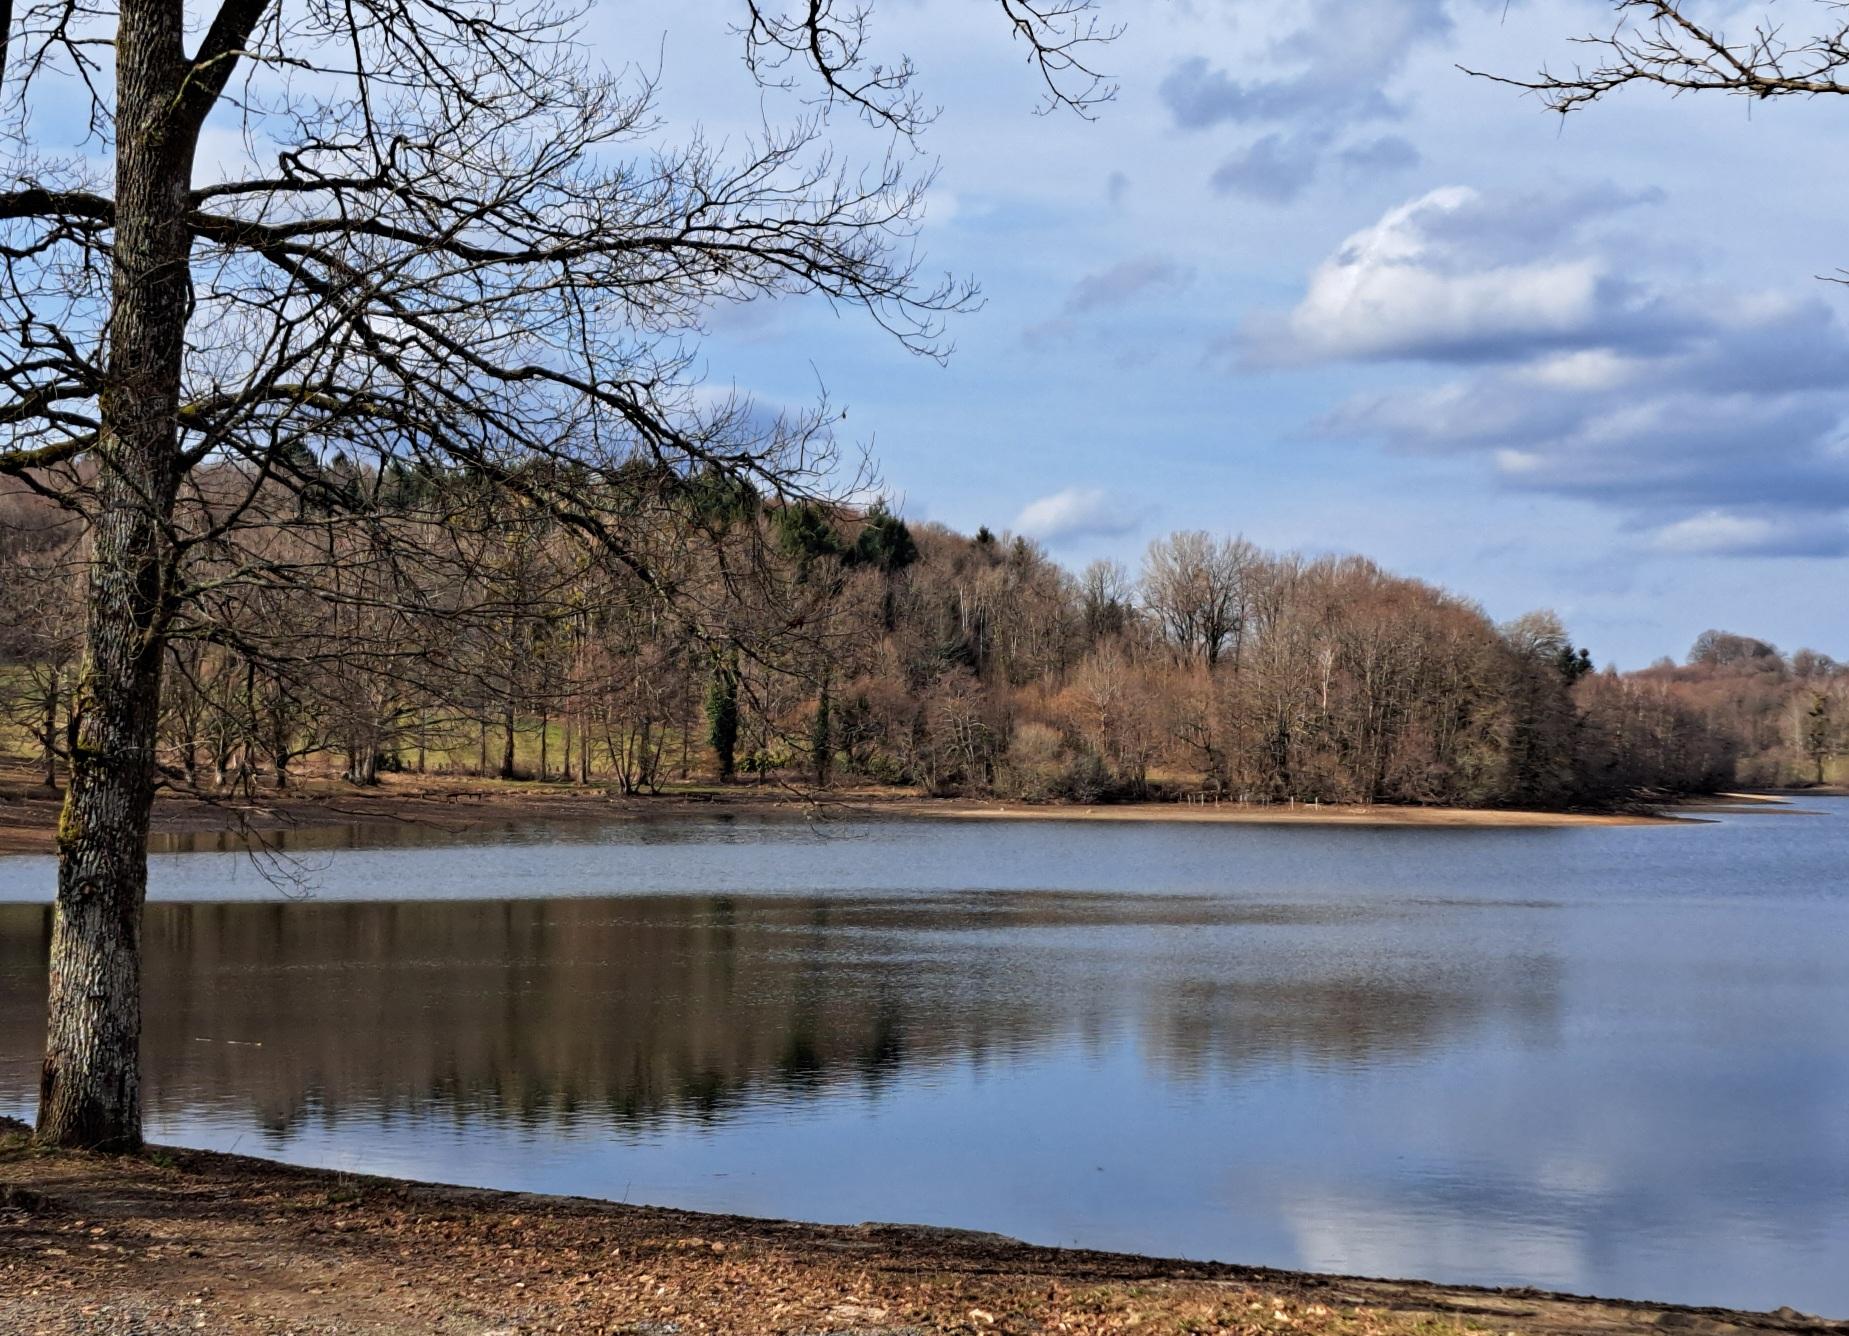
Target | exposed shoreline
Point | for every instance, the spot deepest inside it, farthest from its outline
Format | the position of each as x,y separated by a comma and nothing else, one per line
29,810
1279,814
180,1240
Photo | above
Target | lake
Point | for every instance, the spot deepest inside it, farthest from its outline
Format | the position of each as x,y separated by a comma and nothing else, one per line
1603,1059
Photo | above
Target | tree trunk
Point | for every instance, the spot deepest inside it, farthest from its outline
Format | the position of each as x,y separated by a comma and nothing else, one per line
686,740
507,744
89,1092
50,732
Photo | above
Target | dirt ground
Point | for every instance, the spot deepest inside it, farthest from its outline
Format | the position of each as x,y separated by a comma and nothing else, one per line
29,810
183,1241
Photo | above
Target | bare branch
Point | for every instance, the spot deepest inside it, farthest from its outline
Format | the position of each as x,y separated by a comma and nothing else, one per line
1656,42
830,39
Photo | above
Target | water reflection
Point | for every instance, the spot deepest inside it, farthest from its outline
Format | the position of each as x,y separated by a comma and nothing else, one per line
671,1008
428,832
1612,1060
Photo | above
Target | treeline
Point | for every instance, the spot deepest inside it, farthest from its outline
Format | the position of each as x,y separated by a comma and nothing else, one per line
1785,717
812,645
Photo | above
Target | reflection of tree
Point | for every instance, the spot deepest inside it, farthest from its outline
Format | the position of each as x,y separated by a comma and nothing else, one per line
443,828
1340,1018
635,1009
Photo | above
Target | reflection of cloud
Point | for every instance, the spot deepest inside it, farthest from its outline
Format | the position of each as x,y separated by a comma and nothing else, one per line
1573,1175
1348,1233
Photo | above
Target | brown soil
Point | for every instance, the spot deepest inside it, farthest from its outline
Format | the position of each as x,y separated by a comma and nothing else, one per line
183,1241
29,810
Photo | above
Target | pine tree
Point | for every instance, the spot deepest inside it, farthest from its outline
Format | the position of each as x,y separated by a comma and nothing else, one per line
722,714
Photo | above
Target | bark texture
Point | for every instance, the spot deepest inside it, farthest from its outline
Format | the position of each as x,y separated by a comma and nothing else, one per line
89,1093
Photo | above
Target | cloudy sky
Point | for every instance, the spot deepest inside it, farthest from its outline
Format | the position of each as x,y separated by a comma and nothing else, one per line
1305,281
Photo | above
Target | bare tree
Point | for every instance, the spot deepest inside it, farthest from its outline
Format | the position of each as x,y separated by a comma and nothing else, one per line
1669,44
40,633
1107,594
448,251
1196,586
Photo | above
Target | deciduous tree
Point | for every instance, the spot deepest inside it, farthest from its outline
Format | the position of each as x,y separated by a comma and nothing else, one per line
449,250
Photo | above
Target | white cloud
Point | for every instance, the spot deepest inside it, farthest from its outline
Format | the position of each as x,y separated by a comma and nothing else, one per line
1578,366
1714,531
1076,512
1732,534
1422,283
1583,369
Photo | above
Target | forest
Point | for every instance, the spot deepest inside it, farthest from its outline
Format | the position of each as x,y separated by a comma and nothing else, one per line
382,621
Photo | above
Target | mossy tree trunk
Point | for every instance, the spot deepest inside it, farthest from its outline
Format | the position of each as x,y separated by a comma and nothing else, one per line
89,1093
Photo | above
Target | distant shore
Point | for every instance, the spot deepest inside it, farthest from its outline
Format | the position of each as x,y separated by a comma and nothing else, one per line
178,1240
29,810
1332,814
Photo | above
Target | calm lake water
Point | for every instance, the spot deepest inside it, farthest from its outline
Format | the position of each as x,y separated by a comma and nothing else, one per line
1606,1059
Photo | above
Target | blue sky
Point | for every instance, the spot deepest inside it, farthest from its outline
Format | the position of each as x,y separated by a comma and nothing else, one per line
1305,281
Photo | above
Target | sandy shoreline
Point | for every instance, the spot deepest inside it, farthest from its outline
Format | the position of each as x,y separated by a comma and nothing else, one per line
1279,814
29,810
189,1240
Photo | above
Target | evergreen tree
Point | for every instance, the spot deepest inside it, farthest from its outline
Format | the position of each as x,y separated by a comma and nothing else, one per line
885,543
722,714
821,739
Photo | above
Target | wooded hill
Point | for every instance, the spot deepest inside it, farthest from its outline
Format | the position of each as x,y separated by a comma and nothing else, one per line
794,642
